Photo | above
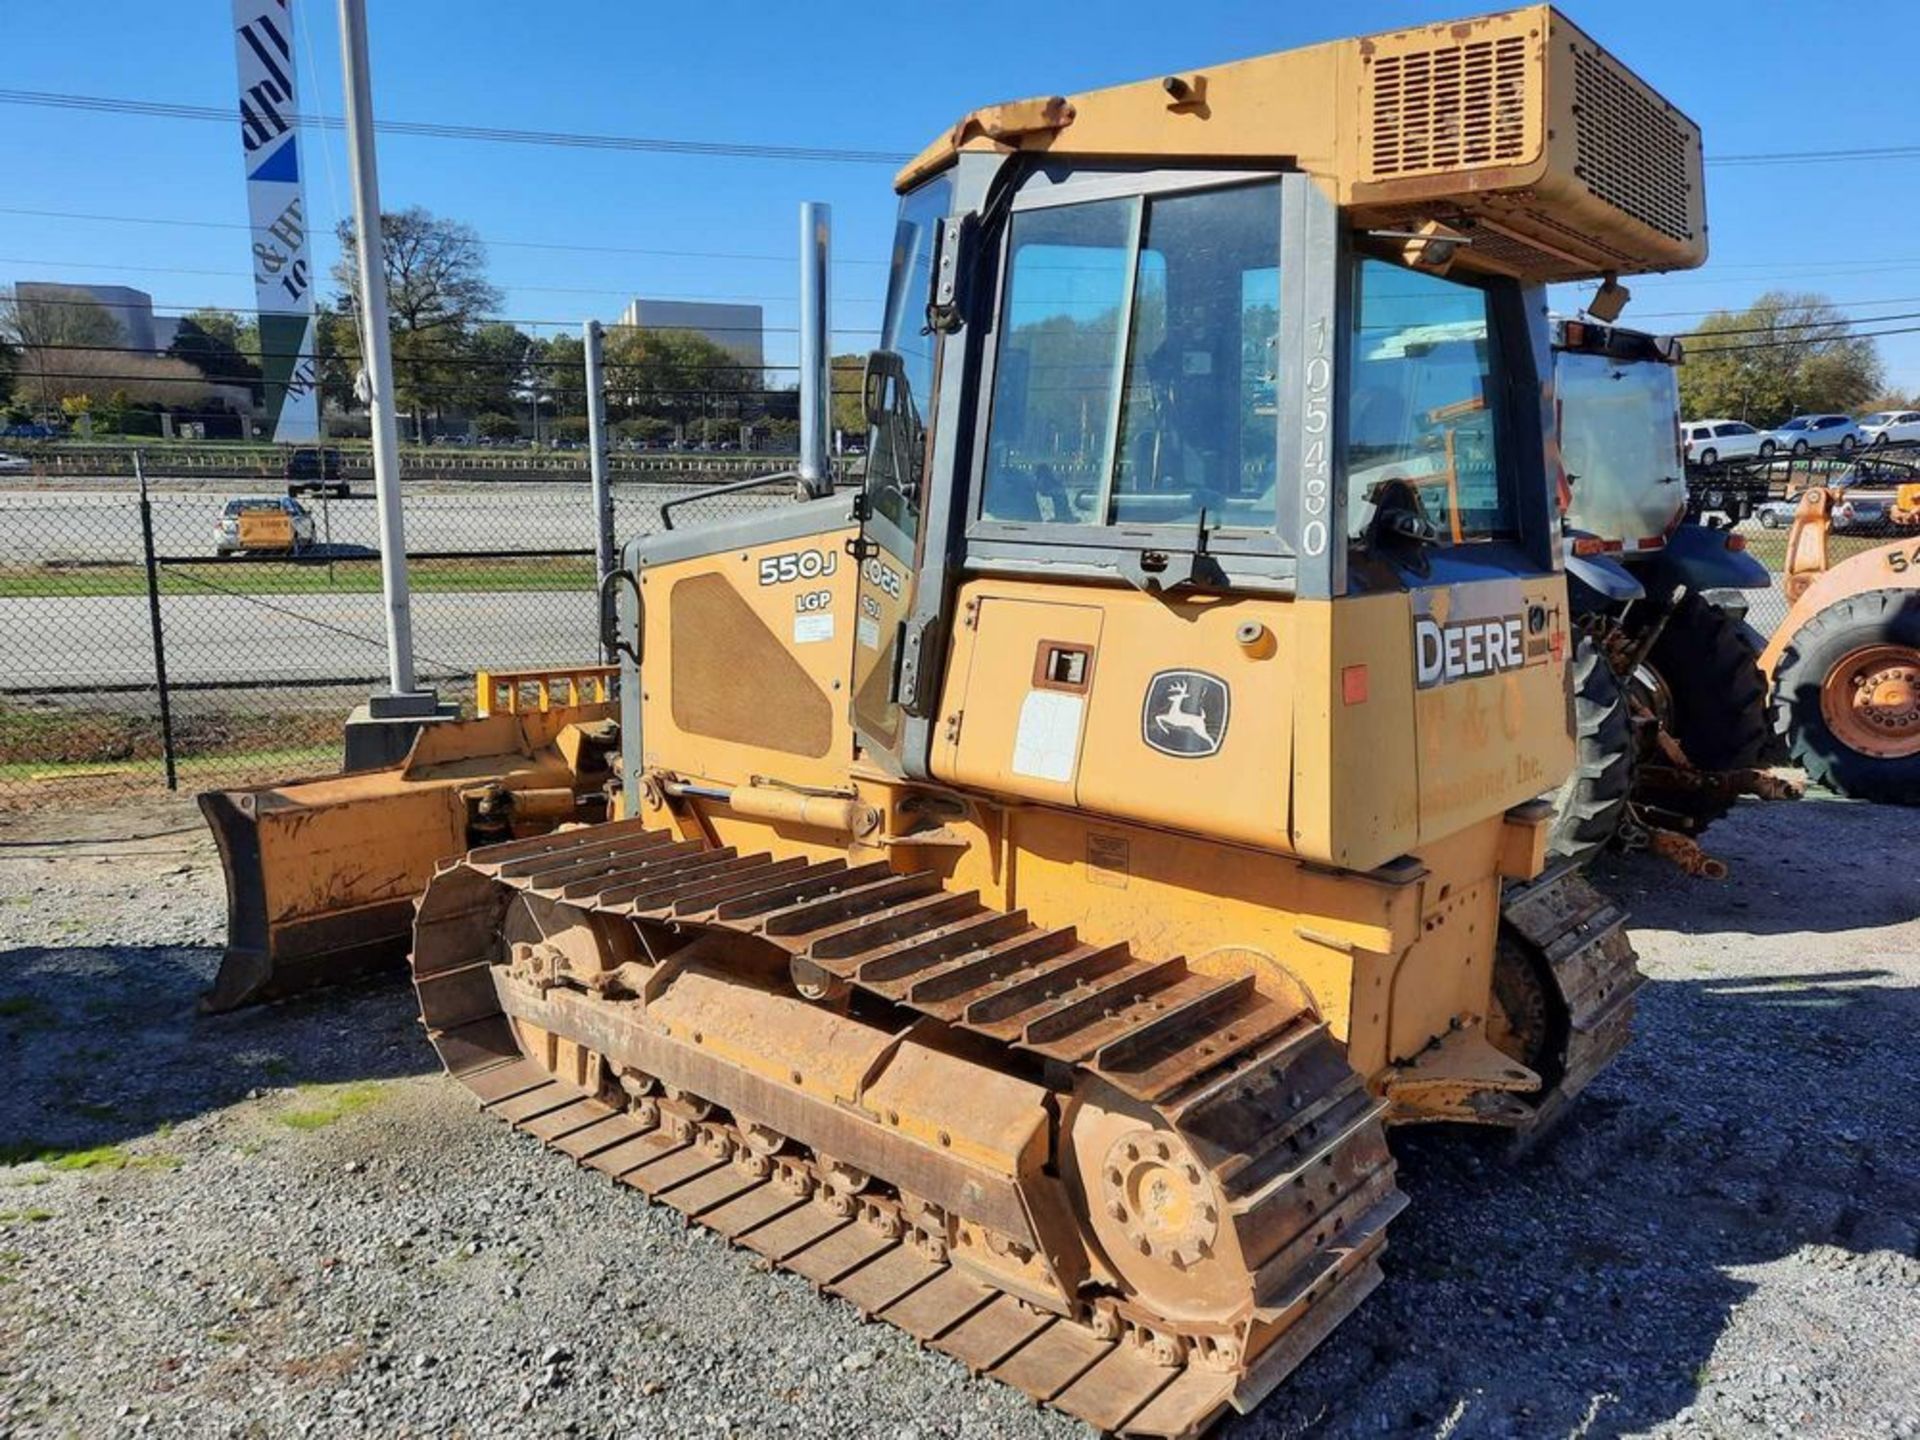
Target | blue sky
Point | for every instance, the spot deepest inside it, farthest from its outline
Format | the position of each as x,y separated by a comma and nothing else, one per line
1758,78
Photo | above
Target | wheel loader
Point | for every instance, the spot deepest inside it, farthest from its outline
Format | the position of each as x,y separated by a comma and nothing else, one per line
1037,883
1844,665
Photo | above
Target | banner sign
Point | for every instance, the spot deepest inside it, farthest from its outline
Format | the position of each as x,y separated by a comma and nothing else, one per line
276,200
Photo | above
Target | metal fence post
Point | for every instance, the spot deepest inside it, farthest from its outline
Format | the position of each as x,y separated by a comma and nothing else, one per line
153,620
603,552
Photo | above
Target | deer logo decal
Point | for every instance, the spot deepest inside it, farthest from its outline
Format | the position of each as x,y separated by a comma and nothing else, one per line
1185,714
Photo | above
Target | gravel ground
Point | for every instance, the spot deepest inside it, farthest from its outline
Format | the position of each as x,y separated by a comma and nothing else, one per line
285,1223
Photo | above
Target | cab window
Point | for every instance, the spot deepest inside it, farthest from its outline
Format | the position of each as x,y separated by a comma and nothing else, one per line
896,454
1421,402
1134,380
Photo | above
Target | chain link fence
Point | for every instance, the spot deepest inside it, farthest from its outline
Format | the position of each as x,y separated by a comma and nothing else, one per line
143,643
216,630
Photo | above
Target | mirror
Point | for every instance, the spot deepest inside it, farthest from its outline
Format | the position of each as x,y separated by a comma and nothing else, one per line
880,386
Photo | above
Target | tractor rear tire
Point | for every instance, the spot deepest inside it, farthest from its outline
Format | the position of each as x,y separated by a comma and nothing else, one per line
1718,697
1591,804
1811,705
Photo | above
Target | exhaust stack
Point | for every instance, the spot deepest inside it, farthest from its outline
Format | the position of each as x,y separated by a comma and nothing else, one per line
816,355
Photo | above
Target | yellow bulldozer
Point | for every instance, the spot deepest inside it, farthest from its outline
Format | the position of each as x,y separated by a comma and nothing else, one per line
1031,889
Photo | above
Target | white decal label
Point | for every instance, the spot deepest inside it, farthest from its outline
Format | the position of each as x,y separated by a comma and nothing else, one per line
1048,739
811,629
1464,649
867,631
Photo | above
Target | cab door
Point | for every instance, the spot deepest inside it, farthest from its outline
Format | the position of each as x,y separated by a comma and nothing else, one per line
898,392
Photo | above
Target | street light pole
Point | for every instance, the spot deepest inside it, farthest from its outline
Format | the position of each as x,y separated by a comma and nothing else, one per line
382,730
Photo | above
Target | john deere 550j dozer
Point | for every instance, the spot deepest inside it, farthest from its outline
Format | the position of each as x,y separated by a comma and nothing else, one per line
1038,884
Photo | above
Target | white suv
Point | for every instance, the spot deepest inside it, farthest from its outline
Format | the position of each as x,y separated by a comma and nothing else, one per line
1708,442
1887,427
1804,434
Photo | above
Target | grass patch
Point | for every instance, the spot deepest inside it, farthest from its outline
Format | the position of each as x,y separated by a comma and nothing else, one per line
25,1217
109,1157
328,1103
50,741
94,1157
359,575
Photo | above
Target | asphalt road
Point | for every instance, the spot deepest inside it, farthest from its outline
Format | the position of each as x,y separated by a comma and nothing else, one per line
106,640
84,521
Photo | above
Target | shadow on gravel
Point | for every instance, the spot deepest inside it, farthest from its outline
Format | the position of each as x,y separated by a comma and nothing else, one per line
1585,1290
104,1044
1793,867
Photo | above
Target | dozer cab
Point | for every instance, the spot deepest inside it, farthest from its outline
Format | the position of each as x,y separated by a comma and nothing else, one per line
1039,882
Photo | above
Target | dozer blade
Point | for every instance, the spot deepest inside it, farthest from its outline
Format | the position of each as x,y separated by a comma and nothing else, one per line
1137,1193
322,873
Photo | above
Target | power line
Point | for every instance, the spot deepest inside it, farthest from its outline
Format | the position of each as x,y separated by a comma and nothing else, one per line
439,357
1775,157
568,139
496,244
177,308
1780,344
1728,309
511,285
1826,324
121,105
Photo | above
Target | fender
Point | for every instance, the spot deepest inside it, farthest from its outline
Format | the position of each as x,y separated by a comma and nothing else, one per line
1603,575
1702,558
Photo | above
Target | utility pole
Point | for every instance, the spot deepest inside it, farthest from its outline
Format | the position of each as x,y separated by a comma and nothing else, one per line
816,355
381,731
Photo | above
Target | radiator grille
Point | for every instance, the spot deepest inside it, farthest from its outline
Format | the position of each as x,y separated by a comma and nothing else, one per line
1630,149
1449,107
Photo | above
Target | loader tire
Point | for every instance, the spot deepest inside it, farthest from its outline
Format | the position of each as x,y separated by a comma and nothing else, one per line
1846,697
1717,696
1589,807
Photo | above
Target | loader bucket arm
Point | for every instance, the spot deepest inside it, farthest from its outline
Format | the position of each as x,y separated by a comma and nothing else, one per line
322,872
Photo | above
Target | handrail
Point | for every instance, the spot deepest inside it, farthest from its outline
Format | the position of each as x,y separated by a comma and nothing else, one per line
752,483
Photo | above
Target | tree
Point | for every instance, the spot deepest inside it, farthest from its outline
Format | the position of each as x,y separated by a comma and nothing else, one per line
846,381
437,290
1887,399
495,426
646,428
492,369
37,327
1783,355
221,345
336,347
676,374
558,375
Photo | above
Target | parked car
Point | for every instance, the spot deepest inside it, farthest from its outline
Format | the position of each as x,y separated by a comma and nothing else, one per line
1805,433
232,537
1887,427
1853,511
1708,442
30,431
313,470
13,464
